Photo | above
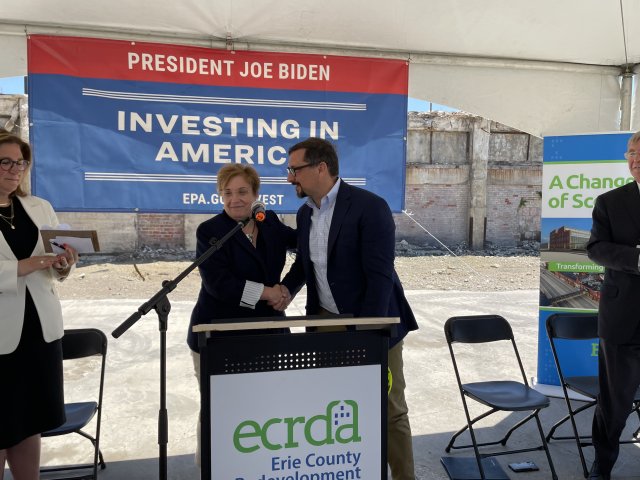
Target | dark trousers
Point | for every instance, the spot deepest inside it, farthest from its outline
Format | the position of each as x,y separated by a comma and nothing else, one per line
619,377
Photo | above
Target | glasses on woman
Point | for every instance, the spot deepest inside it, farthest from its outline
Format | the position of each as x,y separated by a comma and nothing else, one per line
7,164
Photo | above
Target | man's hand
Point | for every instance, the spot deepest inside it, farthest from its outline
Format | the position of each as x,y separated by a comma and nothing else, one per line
278,297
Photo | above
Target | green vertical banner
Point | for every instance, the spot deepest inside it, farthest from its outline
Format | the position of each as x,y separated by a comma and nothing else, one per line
576,169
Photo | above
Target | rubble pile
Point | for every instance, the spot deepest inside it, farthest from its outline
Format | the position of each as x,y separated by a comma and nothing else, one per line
148,254
526,249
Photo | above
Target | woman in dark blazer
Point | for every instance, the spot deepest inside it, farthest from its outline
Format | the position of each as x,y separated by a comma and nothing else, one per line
241,280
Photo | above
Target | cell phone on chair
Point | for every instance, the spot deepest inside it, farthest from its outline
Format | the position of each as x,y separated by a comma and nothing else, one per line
523,467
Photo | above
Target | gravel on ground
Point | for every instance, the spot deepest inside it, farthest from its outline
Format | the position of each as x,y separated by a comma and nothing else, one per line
140,276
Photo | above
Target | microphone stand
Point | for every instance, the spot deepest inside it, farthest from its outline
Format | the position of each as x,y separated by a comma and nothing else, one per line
160,303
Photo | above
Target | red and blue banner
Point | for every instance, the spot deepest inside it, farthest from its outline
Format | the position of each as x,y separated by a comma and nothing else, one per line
131,126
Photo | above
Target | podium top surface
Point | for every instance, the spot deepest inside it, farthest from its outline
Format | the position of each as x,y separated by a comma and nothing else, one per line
289,322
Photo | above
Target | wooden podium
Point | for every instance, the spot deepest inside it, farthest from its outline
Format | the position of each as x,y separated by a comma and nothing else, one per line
294,406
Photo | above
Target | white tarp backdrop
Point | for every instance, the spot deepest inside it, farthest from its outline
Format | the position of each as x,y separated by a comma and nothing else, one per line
544,67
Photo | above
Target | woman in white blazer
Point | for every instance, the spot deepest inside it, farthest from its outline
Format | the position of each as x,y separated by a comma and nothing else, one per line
32,398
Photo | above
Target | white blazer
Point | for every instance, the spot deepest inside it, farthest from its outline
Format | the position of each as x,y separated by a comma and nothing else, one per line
41,284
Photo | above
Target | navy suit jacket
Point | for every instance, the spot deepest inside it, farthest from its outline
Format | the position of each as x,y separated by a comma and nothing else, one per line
224,273
361,250
615,235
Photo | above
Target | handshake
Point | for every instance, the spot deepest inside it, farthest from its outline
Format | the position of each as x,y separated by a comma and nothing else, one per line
277,297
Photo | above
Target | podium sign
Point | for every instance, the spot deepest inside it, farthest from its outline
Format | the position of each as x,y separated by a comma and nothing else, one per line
295,424
294,406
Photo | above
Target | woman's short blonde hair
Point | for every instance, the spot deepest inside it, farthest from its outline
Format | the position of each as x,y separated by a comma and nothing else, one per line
226,173
25,149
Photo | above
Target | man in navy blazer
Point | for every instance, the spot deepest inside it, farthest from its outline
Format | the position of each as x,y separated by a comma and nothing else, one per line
346,246
615,244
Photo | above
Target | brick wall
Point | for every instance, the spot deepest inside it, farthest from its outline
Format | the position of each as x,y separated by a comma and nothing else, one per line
438,186
121,232
514,205
160,230
116,231
441,209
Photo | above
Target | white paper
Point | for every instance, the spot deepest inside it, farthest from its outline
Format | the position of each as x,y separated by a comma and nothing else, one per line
82,245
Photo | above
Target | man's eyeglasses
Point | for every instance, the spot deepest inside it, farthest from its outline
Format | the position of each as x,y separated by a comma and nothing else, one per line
632,155
293,170
7,164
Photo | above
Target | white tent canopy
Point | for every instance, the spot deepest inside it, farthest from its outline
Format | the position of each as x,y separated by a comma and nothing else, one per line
544,67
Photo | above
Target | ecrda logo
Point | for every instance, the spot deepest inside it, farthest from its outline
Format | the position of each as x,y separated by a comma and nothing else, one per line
338,423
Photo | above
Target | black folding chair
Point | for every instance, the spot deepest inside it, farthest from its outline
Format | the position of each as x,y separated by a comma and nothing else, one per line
76,344
498,395
577,327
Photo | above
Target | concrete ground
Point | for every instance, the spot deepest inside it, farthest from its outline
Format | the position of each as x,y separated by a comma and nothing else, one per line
129,435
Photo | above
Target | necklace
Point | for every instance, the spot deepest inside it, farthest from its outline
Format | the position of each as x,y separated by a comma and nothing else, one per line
8,219
250,236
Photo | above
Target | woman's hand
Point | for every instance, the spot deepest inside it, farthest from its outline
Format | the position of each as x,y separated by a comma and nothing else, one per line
277,296
61,263
33,264
65,260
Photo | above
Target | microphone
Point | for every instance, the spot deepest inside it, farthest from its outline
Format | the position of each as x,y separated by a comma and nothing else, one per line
258,211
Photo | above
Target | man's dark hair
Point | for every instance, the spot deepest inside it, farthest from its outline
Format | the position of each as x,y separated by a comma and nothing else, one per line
317,151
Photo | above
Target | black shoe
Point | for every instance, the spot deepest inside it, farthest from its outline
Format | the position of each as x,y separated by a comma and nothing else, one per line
596,474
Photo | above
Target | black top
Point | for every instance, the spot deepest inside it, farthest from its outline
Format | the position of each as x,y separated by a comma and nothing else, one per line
23,237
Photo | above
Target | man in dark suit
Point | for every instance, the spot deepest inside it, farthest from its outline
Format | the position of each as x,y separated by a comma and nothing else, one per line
615,244
346,245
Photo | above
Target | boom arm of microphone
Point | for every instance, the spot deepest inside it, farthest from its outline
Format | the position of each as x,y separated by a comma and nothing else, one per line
169,285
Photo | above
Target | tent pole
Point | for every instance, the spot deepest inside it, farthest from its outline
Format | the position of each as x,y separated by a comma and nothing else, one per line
635,98
626,97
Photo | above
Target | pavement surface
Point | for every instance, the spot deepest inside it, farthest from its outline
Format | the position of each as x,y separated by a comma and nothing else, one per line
129,423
